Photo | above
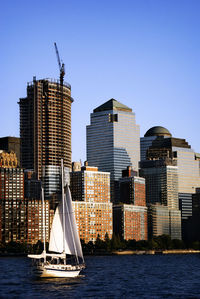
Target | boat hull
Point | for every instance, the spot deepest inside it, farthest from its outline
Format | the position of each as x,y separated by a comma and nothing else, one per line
55,271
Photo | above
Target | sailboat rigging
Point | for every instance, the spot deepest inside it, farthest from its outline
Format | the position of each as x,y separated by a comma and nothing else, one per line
64,241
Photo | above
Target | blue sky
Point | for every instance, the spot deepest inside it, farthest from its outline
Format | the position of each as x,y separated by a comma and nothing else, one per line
144,53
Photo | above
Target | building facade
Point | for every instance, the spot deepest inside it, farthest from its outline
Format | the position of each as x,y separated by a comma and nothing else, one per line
161,183
113,141
45,125
163,221
12,205
130,222
130,215
149,137
90,191
35,220
132,190
11,144
172,152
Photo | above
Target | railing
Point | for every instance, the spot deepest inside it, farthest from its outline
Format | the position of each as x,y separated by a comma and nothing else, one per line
65,84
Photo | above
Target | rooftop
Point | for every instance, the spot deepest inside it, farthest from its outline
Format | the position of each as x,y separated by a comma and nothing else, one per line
112,104
158,131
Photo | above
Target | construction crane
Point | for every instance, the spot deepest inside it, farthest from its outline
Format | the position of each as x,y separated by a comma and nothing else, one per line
61,66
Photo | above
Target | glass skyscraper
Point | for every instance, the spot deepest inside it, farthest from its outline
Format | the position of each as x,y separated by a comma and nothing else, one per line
113,141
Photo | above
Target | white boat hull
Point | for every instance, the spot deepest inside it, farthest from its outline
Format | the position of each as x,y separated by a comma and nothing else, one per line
57,271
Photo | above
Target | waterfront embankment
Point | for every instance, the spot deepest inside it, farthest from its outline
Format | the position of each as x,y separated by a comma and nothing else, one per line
170,251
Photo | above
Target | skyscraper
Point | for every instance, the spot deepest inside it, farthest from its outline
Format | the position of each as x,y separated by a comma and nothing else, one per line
113,141
172,172
45,126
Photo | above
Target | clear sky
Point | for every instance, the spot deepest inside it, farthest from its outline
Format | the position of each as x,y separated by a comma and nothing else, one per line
143,53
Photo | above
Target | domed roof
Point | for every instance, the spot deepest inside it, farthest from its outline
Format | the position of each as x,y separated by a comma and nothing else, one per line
157,131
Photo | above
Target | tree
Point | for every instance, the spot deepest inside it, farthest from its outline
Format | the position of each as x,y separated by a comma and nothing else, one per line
107,242
115,242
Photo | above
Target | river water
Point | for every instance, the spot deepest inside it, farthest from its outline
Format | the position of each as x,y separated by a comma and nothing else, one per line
136,276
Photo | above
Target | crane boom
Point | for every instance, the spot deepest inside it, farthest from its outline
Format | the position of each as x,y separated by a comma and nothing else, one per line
61,66
57,54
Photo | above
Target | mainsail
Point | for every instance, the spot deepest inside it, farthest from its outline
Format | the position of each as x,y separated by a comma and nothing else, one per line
70,243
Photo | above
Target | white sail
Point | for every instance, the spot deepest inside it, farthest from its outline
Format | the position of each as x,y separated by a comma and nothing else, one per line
70,243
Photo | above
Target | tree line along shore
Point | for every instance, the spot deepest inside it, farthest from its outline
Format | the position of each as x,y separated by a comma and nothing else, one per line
158,245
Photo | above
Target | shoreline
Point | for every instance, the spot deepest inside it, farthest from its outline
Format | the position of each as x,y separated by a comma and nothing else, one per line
122,252
154,252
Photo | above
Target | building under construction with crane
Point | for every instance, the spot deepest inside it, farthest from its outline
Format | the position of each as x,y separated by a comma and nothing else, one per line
45,128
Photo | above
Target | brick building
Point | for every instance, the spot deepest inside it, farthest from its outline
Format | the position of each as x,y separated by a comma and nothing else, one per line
12,205
90,191
130,216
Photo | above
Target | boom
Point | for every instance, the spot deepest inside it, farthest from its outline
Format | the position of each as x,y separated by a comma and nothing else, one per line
61,66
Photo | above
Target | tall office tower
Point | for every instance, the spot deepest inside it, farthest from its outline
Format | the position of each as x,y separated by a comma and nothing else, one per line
45,126
178,150
173,151
11,144
113,141
90,191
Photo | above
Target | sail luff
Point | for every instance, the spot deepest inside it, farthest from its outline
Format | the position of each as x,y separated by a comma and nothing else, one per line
71,230
63,203
76,237
43,224
72,241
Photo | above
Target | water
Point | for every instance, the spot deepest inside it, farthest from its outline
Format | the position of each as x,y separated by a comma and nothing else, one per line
146,276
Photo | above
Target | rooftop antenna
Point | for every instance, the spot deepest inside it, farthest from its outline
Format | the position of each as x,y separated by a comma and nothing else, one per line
61,66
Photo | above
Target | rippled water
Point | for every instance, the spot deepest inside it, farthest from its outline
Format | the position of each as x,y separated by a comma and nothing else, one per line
146,276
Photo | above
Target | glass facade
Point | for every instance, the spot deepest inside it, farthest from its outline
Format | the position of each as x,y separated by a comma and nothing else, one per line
145,143
188,170
51,178
161,185
113,142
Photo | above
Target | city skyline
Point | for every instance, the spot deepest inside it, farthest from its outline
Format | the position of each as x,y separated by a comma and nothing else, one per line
145,55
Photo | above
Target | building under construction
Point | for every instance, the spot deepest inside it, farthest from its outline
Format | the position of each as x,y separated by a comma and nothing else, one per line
45,124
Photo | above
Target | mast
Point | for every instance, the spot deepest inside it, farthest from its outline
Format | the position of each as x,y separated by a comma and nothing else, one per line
43,224
63,204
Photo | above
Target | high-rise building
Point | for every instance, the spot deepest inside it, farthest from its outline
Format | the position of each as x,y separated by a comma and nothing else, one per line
34,209
113,141
34,216
130,215
90,191
177,150
12,205
45,125
172,152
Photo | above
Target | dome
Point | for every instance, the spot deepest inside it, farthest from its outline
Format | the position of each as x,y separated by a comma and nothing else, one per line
158,131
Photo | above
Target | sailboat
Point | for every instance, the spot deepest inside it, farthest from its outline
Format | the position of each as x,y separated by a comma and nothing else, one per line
64,242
